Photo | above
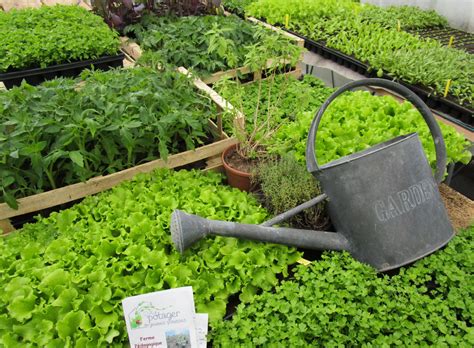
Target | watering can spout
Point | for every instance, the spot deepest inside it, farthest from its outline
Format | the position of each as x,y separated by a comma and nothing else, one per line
186,229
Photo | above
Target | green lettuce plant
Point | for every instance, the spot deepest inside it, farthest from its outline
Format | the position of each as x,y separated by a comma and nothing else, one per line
63,278
358,120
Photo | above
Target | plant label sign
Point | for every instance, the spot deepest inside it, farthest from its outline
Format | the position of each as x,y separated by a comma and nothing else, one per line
165,319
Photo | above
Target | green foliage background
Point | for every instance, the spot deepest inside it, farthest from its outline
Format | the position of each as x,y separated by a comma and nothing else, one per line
207,44
358,120
338,302
58,134
49,35
370,35
63,278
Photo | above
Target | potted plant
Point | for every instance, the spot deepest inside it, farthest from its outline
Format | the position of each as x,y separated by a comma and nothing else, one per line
240,159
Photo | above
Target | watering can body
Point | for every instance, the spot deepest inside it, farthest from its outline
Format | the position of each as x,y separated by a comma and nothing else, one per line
384,201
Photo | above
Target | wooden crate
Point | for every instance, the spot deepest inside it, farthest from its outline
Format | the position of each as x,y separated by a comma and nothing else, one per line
211,153
133,50
246,70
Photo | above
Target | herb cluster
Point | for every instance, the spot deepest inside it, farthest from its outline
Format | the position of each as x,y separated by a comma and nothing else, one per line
40,37
285,184
350,28
62,133
63,278
207,44
338,301
358,120
281,96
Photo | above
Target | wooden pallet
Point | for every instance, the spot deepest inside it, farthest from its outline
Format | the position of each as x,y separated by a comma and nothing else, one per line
211,153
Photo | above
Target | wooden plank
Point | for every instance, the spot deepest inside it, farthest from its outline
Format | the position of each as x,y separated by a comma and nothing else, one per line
6,227
131,48
127,63
7,5
214,163
295,73
299,41
85,5
304,262
239,119
217,168
101,183
243,70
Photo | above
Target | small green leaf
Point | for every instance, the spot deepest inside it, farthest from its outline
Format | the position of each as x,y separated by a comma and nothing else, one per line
10,200
77,158
69,324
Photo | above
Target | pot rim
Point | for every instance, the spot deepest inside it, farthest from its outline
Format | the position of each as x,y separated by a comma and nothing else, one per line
230,168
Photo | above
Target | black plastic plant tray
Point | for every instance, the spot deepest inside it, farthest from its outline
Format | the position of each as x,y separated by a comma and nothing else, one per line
36,76
462,40
461,115
332,54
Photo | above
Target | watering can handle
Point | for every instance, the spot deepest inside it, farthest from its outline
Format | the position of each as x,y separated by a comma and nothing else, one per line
311,162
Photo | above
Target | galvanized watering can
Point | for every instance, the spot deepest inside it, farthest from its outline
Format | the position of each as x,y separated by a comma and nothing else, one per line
383,201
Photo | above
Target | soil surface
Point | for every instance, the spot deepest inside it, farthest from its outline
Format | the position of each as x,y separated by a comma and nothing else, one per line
238,162
460,208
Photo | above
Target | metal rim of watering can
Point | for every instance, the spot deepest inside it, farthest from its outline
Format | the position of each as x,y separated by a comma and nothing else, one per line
311,161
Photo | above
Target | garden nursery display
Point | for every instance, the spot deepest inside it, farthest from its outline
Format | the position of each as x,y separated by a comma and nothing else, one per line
370,239
170,176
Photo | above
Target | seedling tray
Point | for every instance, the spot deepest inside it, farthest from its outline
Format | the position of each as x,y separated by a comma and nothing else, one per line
336,56
36,76
132,49
210,153
462,40
459,114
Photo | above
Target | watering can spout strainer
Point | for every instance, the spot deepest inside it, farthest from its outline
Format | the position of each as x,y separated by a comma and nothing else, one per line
384,201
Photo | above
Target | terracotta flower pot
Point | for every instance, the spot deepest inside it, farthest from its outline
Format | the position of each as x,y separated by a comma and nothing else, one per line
235,177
